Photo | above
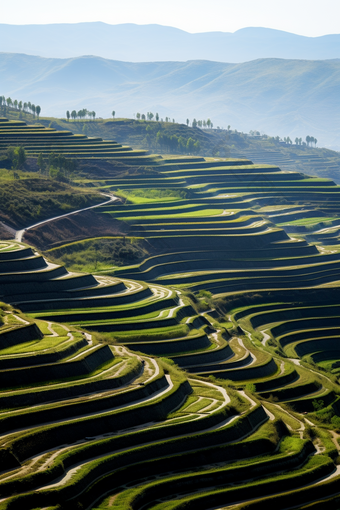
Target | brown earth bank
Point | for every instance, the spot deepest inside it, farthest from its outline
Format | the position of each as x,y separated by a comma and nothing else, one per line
5,233
76,227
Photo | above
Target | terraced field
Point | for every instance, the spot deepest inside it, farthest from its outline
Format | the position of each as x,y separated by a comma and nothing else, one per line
205,376
37,139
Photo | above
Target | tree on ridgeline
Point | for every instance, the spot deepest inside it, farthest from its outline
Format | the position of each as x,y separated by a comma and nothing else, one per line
143,116
68,115
1,102
20,105
315,141
188,121
150,115
33,109
308,140
93,115
25,107
74,114
138,116
38,110
114,113
9,101
15,104
157,117
194,123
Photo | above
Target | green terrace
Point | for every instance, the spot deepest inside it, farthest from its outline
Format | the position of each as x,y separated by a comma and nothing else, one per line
41,140
204,374
137,427
93,412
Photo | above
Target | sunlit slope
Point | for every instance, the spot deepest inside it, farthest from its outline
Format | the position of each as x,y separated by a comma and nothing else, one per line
103,427
106,422
148,318
228,234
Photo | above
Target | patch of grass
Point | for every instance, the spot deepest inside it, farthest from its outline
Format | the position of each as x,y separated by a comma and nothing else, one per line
98,254
307,221
147,195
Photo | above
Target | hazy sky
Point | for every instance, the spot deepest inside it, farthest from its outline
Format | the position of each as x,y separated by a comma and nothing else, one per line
304,17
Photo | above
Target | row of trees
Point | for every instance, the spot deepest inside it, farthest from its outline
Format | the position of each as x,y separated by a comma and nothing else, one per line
201,123
83,114
310,140
299,141
194,123
151,116
19,106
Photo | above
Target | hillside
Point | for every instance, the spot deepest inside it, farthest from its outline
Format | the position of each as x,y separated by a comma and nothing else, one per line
311,160
286,97
103,40
175,347
251,315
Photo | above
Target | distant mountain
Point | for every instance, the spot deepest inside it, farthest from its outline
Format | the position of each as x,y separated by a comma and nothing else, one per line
150,43
278,97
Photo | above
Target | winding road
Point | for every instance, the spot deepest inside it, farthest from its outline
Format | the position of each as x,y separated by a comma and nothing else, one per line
20,233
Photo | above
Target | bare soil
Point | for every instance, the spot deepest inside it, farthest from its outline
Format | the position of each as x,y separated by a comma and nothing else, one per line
75,227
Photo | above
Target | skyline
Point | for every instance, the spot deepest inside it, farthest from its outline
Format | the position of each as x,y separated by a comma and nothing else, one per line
193,16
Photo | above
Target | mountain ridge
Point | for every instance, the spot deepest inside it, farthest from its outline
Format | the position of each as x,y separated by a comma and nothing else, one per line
292,98
136,43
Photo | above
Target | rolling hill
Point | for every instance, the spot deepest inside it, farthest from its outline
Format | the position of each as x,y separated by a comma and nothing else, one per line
136,43
281,97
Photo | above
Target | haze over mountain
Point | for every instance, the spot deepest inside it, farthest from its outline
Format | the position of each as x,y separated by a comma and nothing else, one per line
278,97
150,43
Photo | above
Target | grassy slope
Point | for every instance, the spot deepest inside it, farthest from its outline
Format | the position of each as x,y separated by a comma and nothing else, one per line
27,201
214,142
314,161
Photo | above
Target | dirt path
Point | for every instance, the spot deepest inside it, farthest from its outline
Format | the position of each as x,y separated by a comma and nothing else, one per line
20,233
